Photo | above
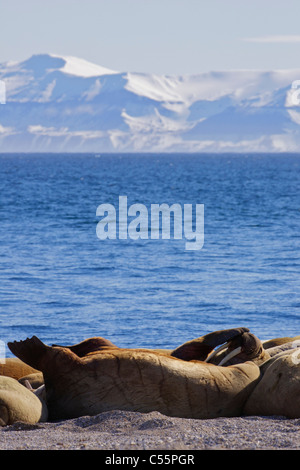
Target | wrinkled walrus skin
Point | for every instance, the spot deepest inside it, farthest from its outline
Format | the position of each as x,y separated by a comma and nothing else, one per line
136,380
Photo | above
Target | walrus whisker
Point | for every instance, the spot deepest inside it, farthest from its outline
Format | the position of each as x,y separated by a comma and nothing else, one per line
232,354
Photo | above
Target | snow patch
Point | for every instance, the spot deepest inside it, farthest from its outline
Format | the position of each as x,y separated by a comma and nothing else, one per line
82,68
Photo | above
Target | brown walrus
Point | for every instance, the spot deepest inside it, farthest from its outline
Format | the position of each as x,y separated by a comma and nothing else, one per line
139,380
15,368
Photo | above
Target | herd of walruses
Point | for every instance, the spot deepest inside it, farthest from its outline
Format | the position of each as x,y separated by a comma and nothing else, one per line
224,373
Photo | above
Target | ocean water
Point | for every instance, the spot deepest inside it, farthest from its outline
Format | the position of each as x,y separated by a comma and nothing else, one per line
60,282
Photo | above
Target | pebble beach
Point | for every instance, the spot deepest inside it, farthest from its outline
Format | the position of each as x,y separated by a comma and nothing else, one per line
123,430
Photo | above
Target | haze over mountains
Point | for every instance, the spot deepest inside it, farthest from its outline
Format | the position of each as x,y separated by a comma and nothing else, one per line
66,104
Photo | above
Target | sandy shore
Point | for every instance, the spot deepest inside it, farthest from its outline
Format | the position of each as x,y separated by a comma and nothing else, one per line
120,430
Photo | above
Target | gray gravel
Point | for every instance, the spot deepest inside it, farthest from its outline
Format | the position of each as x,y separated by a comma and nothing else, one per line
123,430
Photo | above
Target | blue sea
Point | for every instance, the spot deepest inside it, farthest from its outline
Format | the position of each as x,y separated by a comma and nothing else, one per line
60,282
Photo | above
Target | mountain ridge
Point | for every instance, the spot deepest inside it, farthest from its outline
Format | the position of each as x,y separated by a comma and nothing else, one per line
63,103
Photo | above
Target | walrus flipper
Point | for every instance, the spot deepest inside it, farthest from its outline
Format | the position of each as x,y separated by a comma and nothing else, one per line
199,348
31,351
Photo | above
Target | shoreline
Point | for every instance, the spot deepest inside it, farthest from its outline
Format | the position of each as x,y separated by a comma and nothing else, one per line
126,430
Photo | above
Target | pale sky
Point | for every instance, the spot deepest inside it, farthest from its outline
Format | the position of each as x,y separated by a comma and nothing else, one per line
156,36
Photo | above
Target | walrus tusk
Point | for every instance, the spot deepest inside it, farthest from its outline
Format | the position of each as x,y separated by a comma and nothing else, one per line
216,351
232,354
28,385
38,391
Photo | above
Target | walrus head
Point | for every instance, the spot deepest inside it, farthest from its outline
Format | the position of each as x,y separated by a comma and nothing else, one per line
235,345
241,348
198,349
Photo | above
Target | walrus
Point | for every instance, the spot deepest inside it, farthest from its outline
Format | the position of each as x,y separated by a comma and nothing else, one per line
18,403
137,380
278,390
15,368
271,343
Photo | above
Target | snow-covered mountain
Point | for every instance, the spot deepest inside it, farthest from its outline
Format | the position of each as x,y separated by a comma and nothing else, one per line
66,104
